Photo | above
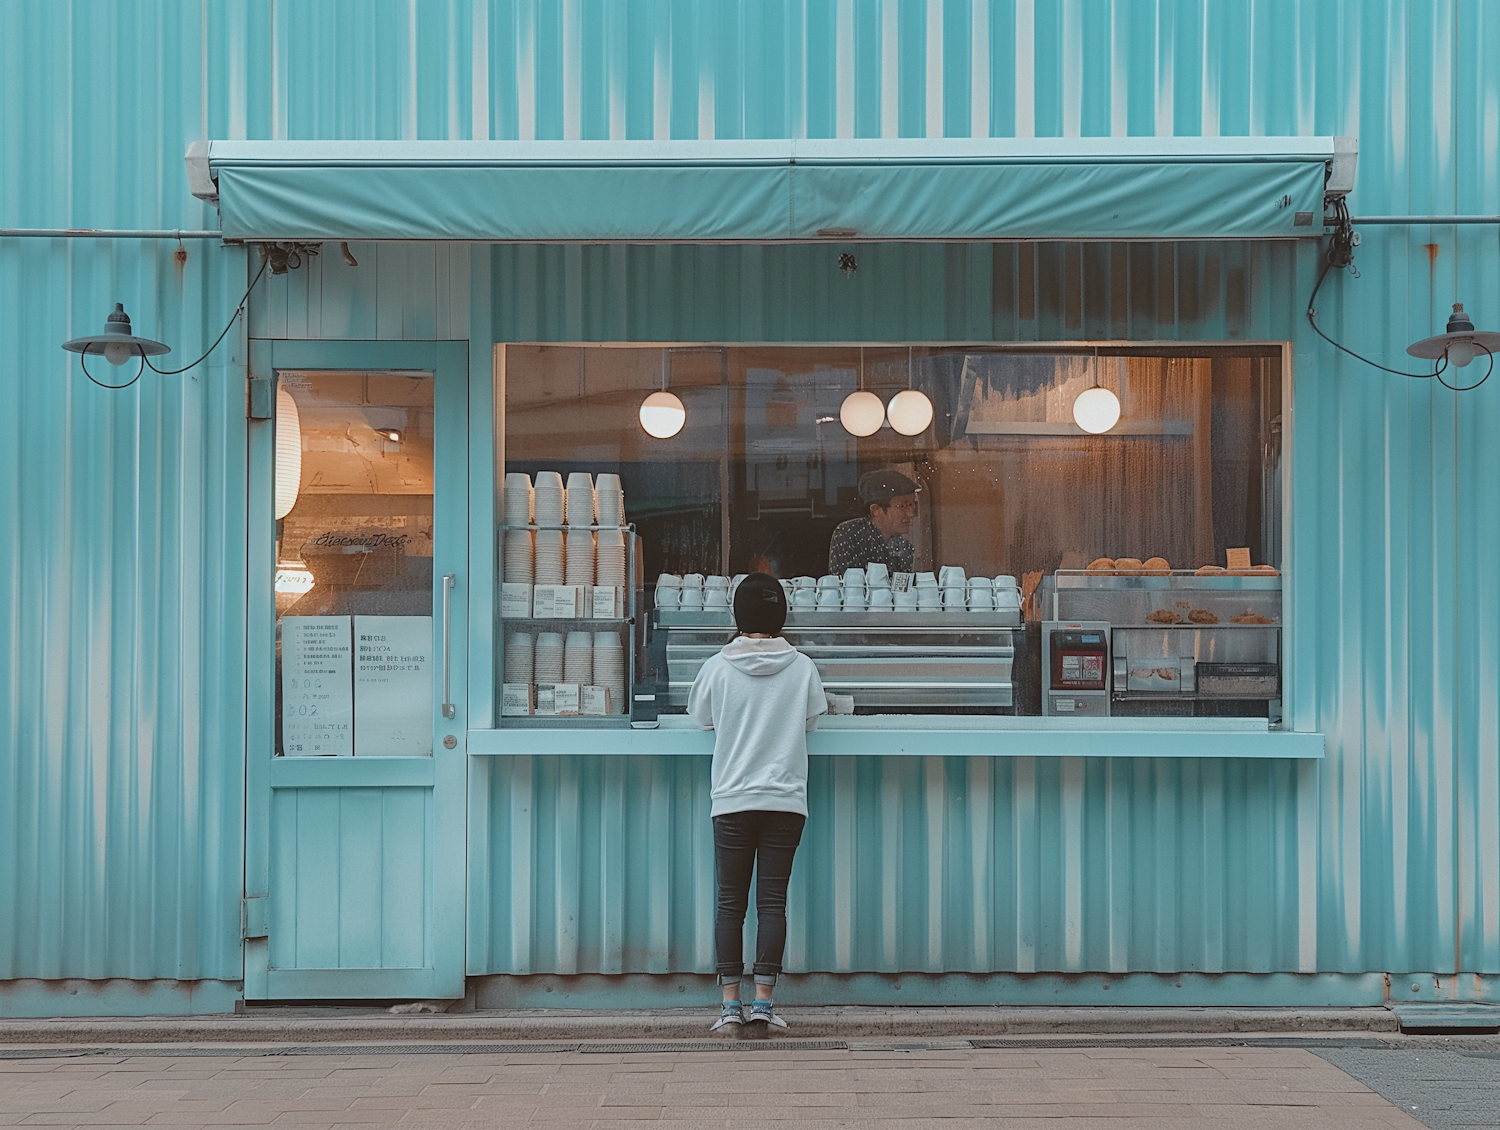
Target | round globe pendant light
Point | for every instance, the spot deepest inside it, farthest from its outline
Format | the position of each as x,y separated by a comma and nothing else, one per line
288,453
862,413
910,412
1096,410
662,415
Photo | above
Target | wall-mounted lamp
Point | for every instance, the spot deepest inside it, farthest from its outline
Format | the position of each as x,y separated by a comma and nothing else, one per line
117,345
1460,344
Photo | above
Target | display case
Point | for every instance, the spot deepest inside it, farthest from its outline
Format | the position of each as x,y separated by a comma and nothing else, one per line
886,663
1175,643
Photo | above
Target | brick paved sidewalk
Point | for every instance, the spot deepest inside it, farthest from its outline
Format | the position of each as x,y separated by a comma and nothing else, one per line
1149,1089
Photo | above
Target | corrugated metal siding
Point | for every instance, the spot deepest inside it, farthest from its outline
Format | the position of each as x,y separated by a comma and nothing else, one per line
122,661
605,865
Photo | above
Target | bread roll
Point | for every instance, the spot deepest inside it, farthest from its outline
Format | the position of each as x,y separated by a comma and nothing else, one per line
1102,565
1130,566
1156,565
1164,616
1210,570
1202,616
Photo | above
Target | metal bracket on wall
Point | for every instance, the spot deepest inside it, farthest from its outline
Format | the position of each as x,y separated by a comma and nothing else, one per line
260,402
255,917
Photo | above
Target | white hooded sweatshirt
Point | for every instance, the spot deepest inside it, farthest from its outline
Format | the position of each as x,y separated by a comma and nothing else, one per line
760,697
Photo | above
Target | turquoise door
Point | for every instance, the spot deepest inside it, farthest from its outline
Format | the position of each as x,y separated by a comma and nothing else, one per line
355,851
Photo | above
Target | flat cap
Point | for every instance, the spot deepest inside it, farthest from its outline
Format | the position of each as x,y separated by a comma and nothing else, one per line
883,485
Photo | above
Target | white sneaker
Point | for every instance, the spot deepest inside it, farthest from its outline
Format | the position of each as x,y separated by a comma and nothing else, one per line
731,1014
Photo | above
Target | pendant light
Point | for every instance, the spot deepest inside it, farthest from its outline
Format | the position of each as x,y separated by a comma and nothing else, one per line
862,412
1461,343
288,453
662,414
117,345
1097,409
910,411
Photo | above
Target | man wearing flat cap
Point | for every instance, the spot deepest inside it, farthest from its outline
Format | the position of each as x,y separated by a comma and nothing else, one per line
890,501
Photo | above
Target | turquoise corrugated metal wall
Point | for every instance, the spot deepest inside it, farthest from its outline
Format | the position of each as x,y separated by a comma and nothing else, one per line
121,671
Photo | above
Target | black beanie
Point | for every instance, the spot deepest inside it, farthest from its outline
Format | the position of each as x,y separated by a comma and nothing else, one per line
759,605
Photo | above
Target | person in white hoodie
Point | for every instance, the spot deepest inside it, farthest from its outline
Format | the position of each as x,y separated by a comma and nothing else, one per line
760,696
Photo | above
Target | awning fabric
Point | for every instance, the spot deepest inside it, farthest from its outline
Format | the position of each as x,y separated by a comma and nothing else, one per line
768,191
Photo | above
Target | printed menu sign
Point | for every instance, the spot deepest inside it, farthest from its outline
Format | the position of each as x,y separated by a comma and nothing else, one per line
317,699
393,686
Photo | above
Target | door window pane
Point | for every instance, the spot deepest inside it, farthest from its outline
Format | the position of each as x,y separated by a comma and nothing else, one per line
354,563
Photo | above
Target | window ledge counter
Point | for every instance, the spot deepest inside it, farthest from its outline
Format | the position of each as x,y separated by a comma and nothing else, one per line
894,735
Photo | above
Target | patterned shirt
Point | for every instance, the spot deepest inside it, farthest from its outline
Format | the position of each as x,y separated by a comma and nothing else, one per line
857,542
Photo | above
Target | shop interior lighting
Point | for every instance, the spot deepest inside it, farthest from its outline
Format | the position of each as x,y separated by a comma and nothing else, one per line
662,413
862,412
288,453
1096,410
910,411
117,345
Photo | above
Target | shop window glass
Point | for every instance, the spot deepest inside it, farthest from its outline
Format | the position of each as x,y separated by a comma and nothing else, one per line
1173,513
354,564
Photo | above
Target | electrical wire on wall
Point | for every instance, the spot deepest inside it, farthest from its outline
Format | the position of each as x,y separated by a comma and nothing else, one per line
1340,255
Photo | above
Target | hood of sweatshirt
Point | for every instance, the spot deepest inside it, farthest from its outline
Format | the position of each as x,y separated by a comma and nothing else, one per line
759,657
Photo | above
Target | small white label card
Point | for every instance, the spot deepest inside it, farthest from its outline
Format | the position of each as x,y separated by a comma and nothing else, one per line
515,699
565,698
317,691
606,603
515,600
541,601
393,686
593,700
565,602
546,700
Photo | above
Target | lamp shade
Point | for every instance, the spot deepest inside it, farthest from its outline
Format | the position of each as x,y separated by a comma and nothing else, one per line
1096,410
1462,343
910,412
662,415
288,453
862,413
116,342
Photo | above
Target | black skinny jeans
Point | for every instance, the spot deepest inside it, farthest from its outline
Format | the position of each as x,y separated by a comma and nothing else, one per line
766,842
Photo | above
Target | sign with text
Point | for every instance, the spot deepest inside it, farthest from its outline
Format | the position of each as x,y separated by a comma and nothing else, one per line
393,686
317,700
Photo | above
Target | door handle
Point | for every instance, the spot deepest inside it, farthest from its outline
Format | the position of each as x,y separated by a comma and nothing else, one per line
449,580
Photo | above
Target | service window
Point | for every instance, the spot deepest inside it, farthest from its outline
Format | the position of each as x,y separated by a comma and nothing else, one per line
959,530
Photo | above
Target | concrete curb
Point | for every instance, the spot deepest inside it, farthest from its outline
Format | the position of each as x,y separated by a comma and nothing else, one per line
287,1026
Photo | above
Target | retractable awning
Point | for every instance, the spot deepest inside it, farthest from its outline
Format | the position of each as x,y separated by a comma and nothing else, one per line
773,191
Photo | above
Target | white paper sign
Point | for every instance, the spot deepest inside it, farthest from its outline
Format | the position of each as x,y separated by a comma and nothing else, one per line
515,699
515,600
565,698
393,686
317,693
593,700
605,603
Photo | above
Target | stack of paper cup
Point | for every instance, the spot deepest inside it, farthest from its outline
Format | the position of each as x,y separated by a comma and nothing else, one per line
609,500
580,499
520,657
517,498
609,559
549,557
578,658
609,668
547,499
518,562
579,566
548,658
